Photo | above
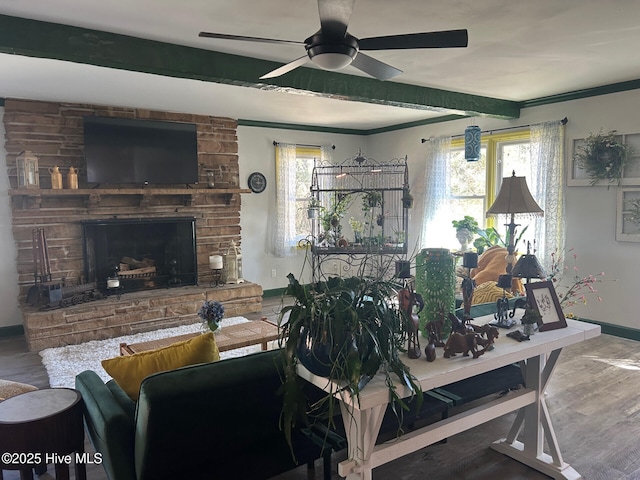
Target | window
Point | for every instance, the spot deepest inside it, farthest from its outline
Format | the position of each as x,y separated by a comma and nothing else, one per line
474,185
305,161
294,166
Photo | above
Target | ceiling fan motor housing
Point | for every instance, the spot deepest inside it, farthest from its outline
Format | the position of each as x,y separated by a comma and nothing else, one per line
331,54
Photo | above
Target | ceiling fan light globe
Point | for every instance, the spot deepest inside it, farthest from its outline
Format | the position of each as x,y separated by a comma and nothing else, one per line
332,57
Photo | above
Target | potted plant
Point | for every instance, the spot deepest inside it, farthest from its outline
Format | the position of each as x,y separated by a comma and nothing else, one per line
211,313
358,227
331,216
407,199
371,199
465,230
313,207
603,157
347,330
530,318
490,237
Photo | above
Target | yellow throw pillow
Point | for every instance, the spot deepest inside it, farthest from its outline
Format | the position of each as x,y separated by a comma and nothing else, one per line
128,371
488,292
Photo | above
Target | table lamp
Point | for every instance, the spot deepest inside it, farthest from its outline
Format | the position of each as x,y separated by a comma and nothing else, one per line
514,199
528,266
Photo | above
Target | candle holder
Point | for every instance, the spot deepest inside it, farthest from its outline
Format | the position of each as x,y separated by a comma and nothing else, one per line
216,265
502,315
217,278
114,286
469,261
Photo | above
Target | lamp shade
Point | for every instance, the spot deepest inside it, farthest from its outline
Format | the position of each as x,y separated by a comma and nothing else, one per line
514,197
472,143
527,267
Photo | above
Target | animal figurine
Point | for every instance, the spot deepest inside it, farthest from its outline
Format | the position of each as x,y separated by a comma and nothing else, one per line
458,343
487,335
408,299
434,332
458,325
430,350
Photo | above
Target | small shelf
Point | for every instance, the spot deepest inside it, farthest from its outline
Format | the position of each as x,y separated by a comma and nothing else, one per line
93,195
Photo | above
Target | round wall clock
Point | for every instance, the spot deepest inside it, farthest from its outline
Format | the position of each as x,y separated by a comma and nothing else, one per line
257,182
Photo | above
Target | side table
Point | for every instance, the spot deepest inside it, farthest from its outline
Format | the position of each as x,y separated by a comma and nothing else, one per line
42,427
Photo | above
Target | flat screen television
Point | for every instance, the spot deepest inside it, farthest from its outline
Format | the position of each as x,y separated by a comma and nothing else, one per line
133,151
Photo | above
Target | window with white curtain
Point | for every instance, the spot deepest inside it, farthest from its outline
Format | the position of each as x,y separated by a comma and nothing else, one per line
294,167
469,188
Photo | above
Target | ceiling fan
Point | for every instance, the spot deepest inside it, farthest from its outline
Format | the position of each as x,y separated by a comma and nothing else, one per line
333,48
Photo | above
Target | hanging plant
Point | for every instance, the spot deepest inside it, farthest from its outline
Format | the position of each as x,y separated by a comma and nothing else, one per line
603,157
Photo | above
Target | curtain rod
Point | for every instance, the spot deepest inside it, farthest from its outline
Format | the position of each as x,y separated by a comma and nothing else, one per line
563,121
276,143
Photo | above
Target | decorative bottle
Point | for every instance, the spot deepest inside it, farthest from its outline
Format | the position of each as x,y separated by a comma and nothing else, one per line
56,178
72,179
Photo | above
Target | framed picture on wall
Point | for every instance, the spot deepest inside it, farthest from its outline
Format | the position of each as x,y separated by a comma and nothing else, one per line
628,215
578,177
542,296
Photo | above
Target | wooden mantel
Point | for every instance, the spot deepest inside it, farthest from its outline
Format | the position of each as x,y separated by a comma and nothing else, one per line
32,198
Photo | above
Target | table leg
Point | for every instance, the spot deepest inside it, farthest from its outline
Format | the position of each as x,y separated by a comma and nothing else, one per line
535,424
81,471
62,471
362,428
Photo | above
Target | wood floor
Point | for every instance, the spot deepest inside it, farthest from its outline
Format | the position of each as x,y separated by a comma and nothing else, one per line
593,398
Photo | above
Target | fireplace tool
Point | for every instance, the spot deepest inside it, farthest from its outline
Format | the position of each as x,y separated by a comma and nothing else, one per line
41,265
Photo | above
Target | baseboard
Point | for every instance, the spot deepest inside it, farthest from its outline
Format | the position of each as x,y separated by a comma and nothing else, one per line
274,292
616,330
11,331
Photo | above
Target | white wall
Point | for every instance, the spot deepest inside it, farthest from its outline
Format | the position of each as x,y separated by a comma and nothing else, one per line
590,211
9,312
257,154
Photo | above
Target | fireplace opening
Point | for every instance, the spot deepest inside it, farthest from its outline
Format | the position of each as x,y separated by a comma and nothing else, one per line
145,253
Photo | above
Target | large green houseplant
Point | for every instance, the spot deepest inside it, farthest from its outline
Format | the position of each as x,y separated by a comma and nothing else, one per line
347,330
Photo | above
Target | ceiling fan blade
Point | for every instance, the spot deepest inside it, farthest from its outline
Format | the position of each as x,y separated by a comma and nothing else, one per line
443,39
224,36
375,68
286,68
334,16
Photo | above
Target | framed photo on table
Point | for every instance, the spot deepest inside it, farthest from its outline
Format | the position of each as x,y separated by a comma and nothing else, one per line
542,296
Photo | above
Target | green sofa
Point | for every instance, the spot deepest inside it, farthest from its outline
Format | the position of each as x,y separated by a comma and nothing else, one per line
215,420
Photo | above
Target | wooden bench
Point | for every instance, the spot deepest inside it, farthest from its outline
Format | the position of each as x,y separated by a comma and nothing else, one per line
227,338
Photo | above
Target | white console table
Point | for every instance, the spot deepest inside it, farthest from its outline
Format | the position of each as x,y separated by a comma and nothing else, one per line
537,357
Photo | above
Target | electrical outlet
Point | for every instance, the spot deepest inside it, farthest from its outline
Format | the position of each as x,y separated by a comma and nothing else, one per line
273,273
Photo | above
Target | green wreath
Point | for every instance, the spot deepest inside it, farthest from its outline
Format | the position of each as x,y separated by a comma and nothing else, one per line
603,157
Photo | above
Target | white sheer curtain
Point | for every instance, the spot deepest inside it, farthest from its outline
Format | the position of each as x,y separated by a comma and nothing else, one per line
285,229
546,181
437,190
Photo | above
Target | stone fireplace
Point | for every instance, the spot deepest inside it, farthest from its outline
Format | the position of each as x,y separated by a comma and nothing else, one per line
145,253
53,132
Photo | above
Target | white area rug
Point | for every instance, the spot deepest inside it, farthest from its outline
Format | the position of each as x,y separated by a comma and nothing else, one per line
64,363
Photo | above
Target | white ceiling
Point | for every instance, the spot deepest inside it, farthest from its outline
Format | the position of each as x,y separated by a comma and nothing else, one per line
518,50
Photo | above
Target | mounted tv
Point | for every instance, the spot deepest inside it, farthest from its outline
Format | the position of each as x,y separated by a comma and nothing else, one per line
132,151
